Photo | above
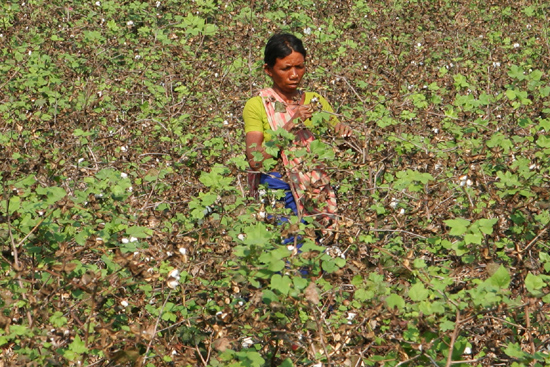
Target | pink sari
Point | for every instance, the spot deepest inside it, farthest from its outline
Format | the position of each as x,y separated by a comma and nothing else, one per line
309,182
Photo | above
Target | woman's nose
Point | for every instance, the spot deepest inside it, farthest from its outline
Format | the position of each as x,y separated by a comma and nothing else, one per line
293,74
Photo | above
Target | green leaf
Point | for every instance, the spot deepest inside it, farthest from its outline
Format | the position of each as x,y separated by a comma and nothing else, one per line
458,226
58,320
511,94
418,292
446,325
516,72
275,266
268,297
53,194
139,232
363,295
78,346
253,358
19,330
299,282
210,30
395,300
430,308
281,283
486,225
514,350
322,150
280,107
500,279
534,283
257,234
14,204
474,238
329,264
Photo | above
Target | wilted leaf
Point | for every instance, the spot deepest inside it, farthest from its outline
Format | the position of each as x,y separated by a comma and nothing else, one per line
312,293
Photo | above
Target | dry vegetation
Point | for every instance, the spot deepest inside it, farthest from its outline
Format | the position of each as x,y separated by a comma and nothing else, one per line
121,159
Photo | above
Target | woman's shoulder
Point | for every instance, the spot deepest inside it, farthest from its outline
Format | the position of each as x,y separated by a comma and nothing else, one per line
311,95
254,106
254,101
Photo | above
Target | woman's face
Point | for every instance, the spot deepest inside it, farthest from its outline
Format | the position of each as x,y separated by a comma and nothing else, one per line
287,72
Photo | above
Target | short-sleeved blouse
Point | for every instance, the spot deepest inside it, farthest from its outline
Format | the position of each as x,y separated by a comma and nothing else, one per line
255,117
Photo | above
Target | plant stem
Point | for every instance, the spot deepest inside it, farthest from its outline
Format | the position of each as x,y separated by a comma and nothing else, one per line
453,339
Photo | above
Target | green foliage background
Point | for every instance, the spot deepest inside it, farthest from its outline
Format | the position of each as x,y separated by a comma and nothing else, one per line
128,236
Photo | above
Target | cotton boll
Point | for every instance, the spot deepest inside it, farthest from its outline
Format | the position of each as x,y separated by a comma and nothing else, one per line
247,342
174,273
173,283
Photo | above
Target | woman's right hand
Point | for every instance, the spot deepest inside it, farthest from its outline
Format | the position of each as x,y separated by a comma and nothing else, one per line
301,113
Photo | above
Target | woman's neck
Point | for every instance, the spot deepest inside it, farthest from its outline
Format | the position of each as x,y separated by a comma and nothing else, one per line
288,98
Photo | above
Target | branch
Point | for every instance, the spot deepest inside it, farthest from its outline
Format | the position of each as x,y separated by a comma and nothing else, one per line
397,230
409,360
453,339
157,324
533,241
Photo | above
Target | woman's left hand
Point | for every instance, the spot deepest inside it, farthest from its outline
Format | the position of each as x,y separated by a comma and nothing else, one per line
343,130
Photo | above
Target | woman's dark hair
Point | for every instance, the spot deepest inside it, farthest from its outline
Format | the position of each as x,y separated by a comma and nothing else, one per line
280,45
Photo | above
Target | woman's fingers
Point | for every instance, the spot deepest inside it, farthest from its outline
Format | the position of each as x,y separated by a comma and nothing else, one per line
303,112
343,130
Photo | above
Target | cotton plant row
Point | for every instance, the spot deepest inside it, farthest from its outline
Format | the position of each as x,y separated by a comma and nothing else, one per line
210,254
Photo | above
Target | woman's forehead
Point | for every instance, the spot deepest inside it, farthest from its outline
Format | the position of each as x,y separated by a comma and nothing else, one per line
295,58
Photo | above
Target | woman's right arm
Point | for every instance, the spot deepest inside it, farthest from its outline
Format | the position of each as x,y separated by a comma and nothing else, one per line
254,140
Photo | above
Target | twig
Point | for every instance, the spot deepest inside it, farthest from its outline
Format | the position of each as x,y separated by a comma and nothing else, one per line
398,230
431,359
409,360
543,231
321,336
467,361
93,156
172,326
528,326
158,122
453,339
32,230
440,115
150,194
12,240
17,265
157,324
88,323
241,186
507,322
98,362
204,361
351,87
10,78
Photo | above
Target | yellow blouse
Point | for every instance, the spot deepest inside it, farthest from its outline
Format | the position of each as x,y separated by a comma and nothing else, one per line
255,117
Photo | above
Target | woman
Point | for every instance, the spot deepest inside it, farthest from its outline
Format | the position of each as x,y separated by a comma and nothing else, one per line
284,105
